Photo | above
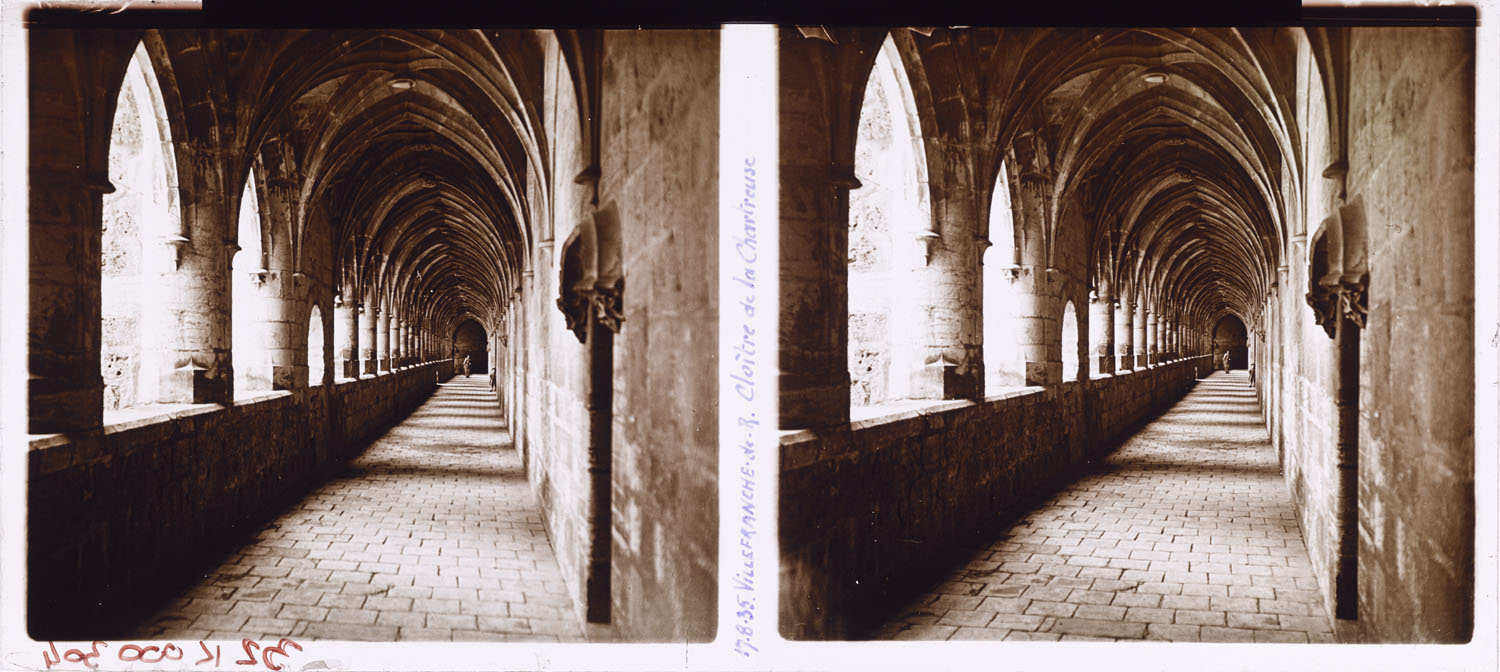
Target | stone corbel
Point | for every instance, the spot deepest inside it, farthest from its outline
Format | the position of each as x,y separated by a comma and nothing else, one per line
180,245
1353,299
1338,171
983,245
98,184
574,307
608,304
844,177
816,33
1324,302
930,241
1012,271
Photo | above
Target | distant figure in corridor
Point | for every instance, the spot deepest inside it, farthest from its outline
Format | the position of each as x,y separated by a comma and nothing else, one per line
466,366
492,379
1226,363
1252,374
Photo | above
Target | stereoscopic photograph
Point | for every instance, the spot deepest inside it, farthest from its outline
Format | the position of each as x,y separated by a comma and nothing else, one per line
413,334
1127,334
374,335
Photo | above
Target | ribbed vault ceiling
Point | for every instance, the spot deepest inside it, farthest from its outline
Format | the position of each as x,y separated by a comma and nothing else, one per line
418,146
1173,144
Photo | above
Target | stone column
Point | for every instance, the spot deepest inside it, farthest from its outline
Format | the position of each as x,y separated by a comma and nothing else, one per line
383,338
198,335
1164,336
1152,338
1102,328
1141,317
1039,317
1125,334
280,336
347,313
398,343
408,344
1173,331
814,238
65,389
950,349
367,315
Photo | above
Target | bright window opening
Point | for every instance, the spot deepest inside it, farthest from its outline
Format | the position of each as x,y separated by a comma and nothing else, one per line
1003,361
139,217
887,215
248,314
315,347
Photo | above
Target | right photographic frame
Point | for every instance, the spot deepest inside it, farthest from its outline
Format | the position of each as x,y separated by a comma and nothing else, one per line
1127,333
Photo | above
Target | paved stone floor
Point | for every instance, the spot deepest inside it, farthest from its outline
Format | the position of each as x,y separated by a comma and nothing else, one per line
1186,533
432,534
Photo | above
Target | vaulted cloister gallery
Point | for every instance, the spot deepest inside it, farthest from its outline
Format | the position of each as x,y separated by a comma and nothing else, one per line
1125,333
258,260
1013,261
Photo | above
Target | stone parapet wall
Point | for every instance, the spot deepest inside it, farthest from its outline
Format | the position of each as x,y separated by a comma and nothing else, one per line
866,506
109,515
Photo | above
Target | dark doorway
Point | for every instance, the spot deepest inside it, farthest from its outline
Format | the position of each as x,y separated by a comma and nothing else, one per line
1230,335
469,340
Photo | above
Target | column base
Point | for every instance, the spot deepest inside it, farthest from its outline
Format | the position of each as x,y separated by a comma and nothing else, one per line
1043,373
194,385
941,379
289,377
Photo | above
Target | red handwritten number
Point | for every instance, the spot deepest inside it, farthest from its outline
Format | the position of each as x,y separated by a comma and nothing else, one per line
249,655
78,656
53,659
207,656
265,655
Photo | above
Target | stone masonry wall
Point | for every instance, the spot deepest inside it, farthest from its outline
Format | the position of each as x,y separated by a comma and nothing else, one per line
1411,162
1411,148
865,508
107,518
660,168
550,375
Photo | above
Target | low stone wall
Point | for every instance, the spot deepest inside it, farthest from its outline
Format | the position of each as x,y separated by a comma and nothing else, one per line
869,509
113,518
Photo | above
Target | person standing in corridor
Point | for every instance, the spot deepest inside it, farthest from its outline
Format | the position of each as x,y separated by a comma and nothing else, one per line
466,366
1226,362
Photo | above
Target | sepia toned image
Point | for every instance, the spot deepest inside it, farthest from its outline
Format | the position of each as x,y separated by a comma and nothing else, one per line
374,335
1127,334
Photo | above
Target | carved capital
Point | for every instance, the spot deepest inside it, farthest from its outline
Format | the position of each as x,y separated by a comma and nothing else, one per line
844,177
1345,299
1034,185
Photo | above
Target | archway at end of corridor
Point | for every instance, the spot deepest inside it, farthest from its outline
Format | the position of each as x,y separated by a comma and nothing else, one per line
1230,335
469,340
